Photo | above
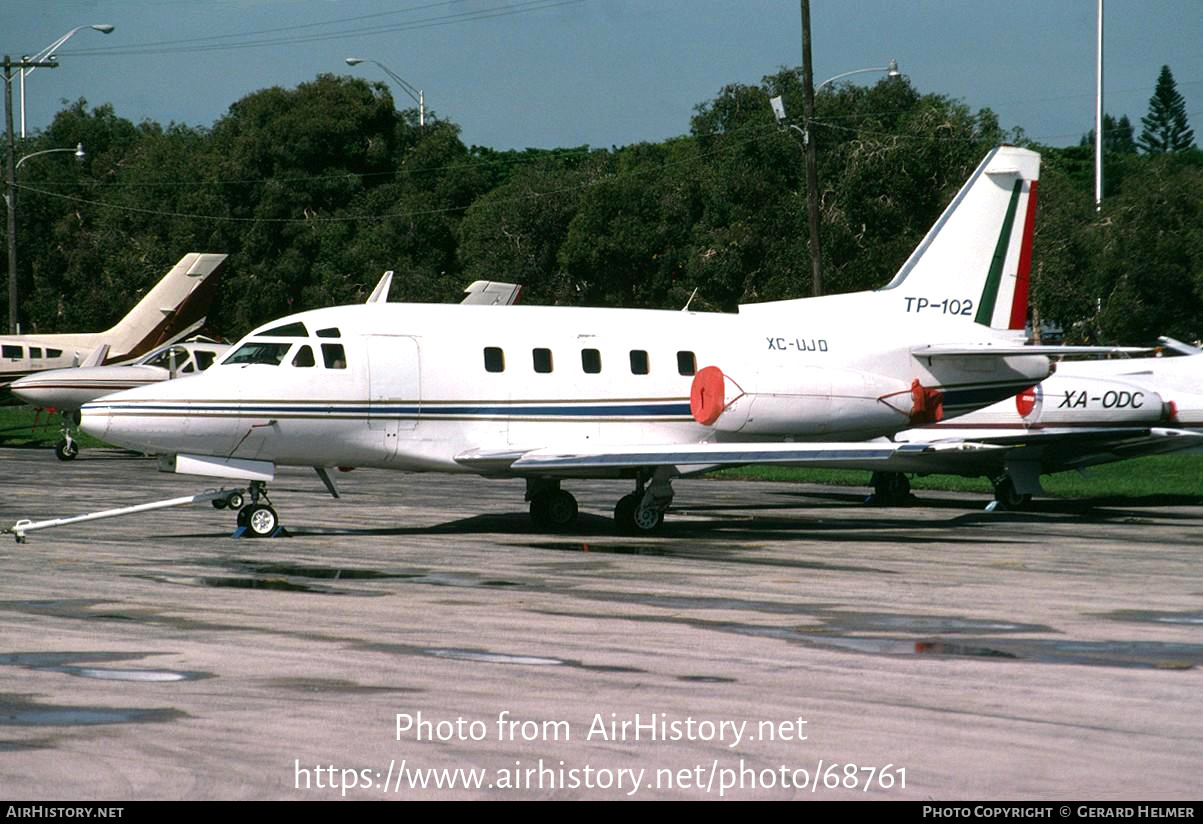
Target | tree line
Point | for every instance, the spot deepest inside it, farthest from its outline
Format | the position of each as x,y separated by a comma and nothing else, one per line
316,190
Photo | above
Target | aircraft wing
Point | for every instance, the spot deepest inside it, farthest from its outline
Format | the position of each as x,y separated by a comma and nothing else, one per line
1055,449
689,458
992,350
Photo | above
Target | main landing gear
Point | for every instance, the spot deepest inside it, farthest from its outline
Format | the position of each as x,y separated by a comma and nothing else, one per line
640,512
550,507
1005,494
256,519
890,489
643,510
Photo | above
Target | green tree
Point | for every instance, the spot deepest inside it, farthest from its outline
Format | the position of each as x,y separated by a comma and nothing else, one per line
1118,136
1165,127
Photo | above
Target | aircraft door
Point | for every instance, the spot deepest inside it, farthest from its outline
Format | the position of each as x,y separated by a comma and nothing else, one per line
394,386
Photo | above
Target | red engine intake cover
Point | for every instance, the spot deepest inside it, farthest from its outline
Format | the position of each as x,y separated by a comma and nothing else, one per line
706,401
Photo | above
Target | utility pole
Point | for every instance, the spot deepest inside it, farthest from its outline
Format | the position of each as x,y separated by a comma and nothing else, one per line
10,177
1098,110
812,166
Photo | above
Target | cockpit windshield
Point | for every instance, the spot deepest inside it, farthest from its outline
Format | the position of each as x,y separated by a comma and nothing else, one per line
172,358
258,351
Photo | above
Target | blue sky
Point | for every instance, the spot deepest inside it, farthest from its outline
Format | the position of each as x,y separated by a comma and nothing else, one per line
548,73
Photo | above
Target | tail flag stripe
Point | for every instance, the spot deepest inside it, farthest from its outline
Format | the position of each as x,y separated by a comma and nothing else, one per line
1019,302
985,308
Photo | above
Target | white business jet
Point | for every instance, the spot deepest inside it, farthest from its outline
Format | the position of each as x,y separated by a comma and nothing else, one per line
1087,414
553,393
175,308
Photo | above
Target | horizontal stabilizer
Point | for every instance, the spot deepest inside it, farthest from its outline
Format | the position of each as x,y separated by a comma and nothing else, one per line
97,357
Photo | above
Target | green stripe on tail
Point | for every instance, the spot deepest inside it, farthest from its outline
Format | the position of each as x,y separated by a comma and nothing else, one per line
985,307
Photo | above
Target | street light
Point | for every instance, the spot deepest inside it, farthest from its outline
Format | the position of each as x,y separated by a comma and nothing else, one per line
79,152
48,54
10,202
812,167
413,92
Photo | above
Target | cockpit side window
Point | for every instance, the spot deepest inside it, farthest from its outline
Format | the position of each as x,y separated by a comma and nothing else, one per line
204,359
304,357
288,330
333,356
332,332
258,351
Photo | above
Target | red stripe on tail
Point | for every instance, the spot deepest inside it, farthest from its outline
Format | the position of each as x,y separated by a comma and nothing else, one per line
1019,300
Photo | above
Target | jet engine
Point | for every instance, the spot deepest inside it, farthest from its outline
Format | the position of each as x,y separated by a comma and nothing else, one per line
809,401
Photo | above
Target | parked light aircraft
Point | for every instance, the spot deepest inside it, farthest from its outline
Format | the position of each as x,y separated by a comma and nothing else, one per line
554,393
1088,413
172,310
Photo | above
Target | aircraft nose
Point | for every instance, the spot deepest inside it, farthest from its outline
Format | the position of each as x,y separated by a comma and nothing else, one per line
28,390
94,420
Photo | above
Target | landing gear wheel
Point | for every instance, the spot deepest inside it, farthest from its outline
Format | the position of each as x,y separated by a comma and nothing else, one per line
891,488
554,510
66,450
235,500
1007,496
631,516
560,510
260,520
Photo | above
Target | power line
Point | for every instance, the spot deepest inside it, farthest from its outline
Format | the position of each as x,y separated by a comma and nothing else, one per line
191,46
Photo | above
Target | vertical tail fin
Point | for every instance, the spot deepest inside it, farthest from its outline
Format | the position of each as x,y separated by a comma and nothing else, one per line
176,306
978,254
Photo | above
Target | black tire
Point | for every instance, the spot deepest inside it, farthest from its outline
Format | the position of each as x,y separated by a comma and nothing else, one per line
634,519
891,488
235,500
1007,496
553,510
560,510
66,450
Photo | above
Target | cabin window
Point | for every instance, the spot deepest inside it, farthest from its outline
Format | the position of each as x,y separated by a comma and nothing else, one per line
188,367
304,357
333,356
328,333
54,353
687,364
542,360
10,351
591,361
494,359
288,330
639,365
259,351
204,359
35,352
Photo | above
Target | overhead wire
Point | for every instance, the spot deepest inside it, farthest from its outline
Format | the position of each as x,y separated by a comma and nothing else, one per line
192,46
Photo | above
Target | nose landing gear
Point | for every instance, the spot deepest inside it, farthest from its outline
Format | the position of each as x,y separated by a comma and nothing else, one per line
255,520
